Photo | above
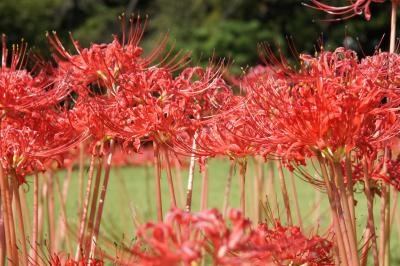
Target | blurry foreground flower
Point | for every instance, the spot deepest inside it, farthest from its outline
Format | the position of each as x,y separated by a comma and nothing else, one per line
186,238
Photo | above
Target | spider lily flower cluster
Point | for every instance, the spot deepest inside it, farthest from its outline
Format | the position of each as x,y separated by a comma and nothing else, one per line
333,111
333,105
100,97
182,237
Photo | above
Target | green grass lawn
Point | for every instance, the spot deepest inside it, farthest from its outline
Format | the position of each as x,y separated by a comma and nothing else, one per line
131,195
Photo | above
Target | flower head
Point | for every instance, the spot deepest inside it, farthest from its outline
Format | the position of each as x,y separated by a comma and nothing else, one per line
182,237
332,104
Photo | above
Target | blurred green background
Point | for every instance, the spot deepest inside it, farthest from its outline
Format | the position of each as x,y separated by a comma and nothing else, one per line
230,29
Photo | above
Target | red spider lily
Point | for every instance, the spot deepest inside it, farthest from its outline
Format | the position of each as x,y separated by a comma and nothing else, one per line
182,237
104,65
155,106
120,95
135,112
228,134
32,140
123,97
202,93
375,167
107,77
291,246
165,244
82,118
48,257
354,8
329,105
32,130
332,108
393,170
390,176
382,69
257,73
20,90
131,99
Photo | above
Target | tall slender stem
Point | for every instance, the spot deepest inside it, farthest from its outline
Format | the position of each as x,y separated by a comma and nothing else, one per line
157,165
349,190
50,206
81,177
394,208
3,247
397,219
339,232
296,200
271,185
344,229
384,226
228,189
5,213
85,208
147,187
346,212
317,204
92,214
242,179
258,188
385,207
393,21
191,176
25,212
41,214
12,223
20,218
204,187
169,178
370,205
63,221
285,194
178,174
35,227
385,215
102,200
365,247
